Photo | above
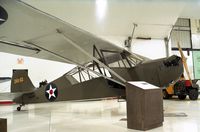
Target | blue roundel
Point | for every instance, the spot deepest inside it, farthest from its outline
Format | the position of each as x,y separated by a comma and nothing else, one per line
3,15
51,92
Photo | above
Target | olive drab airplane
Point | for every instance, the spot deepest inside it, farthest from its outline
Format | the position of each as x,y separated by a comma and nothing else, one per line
102,68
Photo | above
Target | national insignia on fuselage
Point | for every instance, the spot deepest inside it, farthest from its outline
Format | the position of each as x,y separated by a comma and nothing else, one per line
51,92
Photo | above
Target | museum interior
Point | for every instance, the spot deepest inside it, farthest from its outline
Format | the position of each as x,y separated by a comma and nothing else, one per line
99,65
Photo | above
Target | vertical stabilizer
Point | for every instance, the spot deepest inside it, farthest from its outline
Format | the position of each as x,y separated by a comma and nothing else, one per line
21,82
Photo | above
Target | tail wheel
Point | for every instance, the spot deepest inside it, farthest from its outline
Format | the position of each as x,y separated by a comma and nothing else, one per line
193,94
165,94
182,96
18,108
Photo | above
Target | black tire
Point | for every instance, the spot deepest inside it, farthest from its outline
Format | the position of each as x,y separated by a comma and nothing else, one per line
165,94
18,108
170,95
193,94
182,96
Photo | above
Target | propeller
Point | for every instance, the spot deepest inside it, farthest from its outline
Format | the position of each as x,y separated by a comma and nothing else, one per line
184,60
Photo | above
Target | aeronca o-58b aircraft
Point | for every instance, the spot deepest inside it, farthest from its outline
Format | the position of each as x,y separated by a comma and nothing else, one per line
102,68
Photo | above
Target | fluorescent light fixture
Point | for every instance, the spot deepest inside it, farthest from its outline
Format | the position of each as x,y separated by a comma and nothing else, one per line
101,7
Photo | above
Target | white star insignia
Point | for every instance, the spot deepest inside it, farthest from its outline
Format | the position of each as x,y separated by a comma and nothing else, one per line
51,92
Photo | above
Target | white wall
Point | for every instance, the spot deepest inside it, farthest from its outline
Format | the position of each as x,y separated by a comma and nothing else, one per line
153,49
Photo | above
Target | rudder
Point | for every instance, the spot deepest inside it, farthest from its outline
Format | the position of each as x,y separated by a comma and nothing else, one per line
21,82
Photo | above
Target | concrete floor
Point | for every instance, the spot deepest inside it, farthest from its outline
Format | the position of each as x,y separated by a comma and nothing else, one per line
96,116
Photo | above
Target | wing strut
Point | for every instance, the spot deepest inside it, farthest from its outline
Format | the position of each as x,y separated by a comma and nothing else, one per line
71,61
93,58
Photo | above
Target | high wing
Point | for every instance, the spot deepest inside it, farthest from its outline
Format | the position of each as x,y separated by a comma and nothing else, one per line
31,32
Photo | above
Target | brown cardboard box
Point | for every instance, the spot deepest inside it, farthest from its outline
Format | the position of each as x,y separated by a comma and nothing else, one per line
144,106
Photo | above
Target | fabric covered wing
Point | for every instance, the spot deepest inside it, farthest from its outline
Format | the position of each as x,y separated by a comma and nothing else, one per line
30,32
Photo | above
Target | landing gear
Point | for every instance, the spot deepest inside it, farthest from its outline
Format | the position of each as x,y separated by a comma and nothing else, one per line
182,96
19,107
193,94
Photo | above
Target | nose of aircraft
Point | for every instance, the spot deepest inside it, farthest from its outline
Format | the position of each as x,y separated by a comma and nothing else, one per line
159,72
170,70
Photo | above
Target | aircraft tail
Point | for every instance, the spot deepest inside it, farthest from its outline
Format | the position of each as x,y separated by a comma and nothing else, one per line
21,82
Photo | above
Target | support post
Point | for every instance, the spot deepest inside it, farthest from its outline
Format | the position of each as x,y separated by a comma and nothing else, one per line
166,40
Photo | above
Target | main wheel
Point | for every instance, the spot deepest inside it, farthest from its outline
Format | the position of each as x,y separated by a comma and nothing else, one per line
165,94
193,94
181,96
18,108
